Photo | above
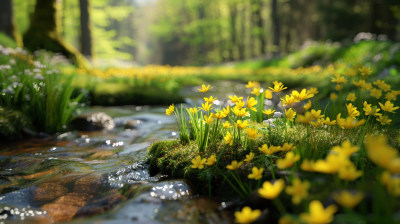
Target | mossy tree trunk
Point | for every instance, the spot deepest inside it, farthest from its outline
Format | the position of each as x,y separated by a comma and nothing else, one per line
86,34
44,32
7,24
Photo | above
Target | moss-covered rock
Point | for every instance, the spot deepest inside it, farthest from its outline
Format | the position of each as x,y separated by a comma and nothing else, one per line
12,123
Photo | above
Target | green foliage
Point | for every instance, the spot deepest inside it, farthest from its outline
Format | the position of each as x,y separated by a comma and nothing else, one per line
6,41
38,91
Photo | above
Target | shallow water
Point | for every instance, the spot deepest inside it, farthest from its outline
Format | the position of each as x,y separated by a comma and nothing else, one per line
101,177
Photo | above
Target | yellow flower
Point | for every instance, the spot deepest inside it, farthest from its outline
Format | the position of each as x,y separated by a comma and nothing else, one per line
348,123
307,165
349,172
268,112
316,114
288,161
268,94
313,91
251,84
392,96
235,99
193,110
346,148
226,125
331,164
211,160
256,173
351,97
288,100
249,157
371,110
389,107
267,150
271,191
307,106
384,120
305,119
234,165
359,83
239,112
352,111
339,79
204,88
338,87
247,215
333,96
348,199
377,93
392,183
206,106
241,124
198,162
209,100
329,122
288,146
226,111
239,104
382,154
287,220
318,214
317,123
170,110
382,85
299,190
208,120
251,103
256,91
303,95
252,133
365,71
366,86
219,115
278,87
228,138
290,114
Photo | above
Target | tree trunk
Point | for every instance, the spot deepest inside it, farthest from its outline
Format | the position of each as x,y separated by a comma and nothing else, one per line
43,32
233,14
275,27
86,34
7,24
258,21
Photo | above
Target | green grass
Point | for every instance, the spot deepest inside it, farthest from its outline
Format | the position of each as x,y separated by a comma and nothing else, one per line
40,93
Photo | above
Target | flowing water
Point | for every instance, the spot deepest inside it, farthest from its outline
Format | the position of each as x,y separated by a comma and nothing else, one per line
101,176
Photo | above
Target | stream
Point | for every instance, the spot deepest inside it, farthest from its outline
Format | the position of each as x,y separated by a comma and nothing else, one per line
101,176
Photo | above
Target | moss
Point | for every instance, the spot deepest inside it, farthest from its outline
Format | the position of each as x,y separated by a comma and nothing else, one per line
11,123
173,159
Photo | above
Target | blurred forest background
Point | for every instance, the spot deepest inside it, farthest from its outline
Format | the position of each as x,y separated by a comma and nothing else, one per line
191,32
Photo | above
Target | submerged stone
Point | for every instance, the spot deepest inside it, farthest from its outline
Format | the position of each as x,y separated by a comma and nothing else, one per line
93,122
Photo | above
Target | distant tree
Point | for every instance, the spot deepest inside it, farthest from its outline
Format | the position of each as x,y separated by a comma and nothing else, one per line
276,29
86,34
44,32
7,24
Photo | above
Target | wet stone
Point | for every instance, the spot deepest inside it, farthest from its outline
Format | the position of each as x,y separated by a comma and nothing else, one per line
49,191
93,122
101,154
101,205
88,184
65,207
